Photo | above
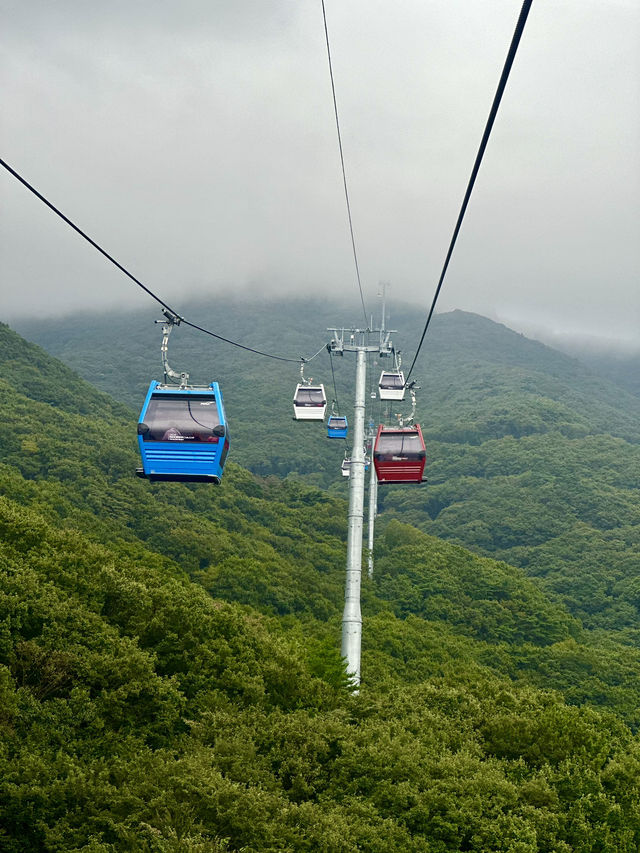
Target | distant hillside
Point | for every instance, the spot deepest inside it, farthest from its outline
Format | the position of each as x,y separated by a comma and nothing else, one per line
170,680
618,367
617,361
532,458
467,362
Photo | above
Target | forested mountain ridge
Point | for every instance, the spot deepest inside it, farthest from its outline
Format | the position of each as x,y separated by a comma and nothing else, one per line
144,708
467,361
531,457
617,363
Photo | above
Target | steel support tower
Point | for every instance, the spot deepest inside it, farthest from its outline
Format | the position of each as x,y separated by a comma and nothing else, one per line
357,342
373,509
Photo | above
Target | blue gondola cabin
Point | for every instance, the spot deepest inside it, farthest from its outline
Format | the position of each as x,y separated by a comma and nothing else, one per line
337,426
182,434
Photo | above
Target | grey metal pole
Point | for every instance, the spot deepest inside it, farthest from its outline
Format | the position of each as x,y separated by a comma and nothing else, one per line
373,510
352,617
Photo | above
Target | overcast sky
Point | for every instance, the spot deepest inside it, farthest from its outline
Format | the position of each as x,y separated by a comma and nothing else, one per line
195,140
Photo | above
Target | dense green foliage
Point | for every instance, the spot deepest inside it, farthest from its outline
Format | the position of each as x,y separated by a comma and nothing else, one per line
532,458
170,677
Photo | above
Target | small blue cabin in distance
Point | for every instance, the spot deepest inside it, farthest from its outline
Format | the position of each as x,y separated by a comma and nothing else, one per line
337,426
182,434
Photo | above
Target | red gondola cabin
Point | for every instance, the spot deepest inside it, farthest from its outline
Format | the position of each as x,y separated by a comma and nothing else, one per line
399,454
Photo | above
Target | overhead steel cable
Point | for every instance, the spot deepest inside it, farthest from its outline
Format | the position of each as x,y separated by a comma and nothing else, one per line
344,174
109,257
78,230
311,357
526,6
242,346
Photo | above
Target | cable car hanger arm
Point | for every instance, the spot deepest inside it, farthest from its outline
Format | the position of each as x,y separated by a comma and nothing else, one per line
167,325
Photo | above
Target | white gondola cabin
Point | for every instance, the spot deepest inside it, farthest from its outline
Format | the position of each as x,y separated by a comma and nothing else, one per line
346,465
309,403
391,385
